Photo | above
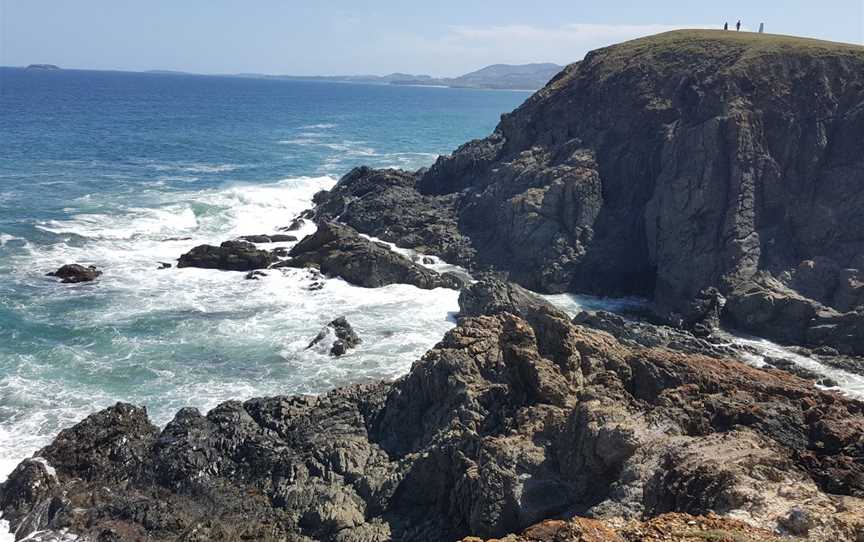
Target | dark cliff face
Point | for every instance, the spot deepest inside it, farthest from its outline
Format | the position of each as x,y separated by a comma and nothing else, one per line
685,160
675,163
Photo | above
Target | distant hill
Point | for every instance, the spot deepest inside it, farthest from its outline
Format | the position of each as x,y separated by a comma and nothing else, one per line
497,76
397,78
508,76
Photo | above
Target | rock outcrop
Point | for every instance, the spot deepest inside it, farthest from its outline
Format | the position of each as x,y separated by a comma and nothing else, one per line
75,273
269,238
229,256
345,338
666,167
337,249
508,421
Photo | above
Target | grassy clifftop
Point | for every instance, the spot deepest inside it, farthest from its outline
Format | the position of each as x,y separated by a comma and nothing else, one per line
710,49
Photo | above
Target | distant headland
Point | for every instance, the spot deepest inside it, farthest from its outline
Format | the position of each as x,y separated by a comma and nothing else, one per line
43,67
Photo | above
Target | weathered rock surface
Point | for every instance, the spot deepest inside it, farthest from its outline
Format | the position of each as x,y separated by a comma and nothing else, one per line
345,337
337,249
664,167
507,422
229,256
74,273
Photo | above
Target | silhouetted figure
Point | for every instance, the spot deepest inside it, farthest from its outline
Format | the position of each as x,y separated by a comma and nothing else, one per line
761,27
738,26
726,26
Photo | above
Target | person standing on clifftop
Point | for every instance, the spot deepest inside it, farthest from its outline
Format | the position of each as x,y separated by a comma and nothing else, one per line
738,26
726,26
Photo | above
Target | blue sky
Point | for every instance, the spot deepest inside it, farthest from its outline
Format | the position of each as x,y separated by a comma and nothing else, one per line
443,37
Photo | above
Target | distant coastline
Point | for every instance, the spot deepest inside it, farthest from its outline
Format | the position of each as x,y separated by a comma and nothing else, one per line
520,77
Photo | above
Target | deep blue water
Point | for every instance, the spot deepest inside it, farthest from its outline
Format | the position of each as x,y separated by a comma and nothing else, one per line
107,167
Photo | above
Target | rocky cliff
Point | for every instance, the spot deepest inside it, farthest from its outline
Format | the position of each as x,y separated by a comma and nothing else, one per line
664,167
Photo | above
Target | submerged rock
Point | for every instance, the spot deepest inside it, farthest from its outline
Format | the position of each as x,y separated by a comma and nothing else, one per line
337,249
229,256
74,273
346,338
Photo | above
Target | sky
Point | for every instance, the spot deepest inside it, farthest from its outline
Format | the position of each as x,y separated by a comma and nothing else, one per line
439,37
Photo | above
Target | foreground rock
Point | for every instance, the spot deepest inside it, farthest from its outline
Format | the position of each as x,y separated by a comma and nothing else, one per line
345,337
229,256
337,249
664,167
74,273
504,424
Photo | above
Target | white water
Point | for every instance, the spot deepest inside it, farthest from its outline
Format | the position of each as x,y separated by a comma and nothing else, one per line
194,337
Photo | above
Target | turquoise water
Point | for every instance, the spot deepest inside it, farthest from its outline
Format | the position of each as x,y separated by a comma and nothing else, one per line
116,169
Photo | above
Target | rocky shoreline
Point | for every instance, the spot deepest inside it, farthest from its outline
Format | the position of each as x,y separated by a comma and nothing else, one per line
516,416
716,175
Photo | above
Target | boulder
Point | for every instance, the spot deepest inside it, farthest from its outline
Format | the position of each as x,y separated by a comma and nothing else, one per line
74,273
229,256
345,337
337,249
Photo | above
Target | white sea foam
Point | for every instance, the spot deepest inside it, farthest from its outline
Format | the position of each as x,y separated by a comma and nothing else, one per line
195,337
5,238
322,126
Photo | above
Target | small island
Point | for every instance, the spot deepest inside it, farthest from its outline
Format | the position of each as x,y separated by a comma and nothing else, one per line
42,67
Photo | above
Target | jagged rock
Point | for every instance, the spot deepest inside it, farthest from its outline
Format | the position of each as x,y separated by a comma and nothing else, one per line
270,238
337,249
346,338
164,265
767,307
229,256
255,275
74,273
791,367
500,426
386,204
636,332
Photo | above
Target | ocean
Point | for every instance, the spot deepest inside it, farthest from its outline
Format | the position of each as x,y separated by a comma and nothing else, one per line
126,170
